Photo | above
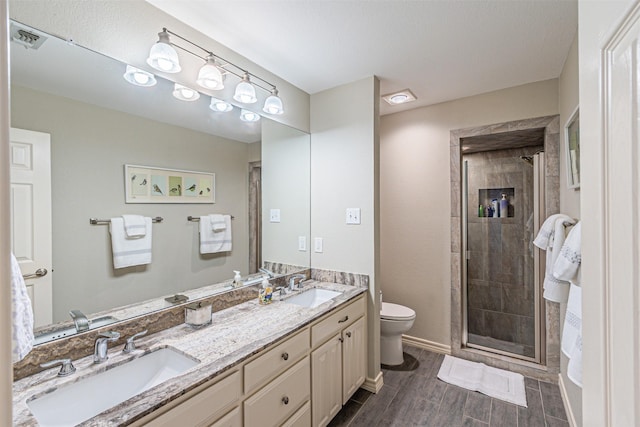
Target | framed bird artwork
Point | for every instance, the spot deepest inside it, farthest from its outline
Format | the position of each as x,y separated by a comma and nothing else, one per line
149,184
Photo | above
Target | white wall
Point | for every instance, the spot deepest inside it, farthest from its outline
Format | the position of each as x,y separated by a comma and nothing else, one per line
344,148
415,267
286,175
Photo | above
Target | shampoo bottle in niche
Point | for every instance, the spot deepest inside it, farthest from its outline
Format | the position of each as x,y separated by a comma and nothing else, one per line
237,279
494,207
265,295
504,206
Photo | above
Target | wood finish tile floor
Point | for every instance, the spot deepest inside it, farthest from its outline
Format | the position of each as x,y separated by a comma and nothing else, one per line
412,395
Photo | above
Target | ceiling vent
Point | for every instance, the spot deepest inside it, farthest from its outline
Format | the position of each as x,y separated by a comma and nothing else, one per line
26,37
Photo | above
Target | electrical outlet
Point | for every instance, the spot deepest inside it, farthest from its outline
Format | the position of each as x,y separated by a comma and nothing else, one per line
353,216
318,245
302,243
274,215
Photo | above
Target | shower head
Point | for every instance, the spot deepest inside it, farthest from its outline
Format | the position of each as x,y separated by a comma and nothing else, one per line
527,159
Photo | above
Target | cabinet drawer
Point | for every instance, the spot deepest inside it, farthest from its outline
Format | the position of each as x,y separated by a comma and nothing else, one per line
278,400
232,419
275,361
302,418
204,407
336,321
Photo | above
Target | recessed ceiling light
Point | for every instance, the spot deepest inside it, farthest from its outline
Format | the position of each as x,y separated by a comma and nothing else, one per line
399,97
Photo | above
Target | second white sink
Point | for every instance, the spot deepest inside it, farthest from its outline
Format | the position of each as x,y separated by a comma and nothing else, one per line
312,298
77,402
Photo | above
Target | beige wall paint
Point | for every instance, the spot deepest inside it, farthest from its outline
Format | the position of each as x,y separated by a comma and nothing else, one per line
125,30
568,98
344,147
6,373
415,196
89,147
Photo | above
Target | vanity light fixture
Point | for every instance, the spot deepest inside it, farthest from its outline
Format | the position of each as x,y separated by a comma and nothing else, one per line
400,97
249,116
163,56
184,93
220,106
139,77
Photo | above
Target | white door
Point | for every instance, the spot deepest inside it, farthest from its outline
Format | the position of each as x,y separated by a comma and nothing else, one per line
30,158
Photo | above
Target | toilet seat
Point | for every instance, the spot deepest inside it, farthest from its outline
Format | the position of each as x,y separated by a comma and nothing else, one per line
392,311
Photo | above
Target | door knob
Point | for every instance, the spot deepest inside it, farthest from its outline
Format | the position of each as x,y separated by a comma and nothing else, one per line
39,273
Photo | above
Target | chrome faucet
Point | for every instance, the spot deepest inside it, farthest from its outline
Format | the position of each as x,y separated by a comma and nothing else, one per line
80,320
267,272
131,345
292,281
100,350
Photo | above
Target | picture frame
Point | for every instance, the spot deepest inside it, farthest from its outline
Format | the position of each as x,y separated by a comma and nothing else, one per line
148,184
572,149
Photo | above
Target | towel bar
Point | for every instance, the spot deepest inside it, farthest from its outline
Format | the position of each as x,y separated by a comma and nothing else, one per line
96,221
197,218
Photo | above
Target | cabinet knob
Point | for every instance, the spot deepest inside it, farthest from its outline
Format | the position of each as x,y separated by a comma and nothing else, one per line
344,320
285,400
285,356
341,339
348,334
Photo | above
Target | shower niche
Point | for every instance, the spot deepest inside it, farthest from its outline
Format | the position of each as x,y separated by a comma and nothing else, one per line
490,198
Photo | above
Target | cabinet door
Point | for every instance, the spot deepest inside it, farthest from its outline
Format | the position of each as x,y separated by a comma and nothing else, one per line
354,358
326,381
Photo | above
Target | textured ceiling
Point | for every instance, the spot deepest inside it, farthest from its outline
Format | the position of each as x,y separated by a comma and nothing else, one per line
441,50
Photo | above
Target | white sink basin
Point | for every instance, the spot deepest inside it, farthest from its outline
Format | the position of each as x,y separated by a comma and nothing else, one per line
312,298
77,402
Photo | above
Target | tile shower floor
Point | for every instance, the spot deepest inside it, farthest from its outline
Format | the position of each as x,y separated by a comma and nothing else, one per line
412,395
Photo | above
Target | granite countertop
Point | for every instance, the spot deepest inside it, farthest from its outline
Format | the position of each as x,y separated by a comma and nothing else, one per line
234,335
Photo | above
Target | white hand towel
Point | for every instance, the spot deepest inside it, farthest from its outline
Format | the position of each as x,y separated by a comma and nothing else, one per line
554,290
574,369
573,320
134,225
215,241
567,265
129,251
21,314
217,222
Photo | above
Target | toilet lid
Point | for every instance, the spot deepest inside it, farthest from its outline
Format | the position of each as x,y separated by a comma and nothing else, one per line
396,312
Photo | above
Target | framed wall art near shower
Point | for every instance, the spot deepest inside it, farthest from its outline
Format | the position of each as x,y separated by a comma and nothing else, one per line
147,184
572,149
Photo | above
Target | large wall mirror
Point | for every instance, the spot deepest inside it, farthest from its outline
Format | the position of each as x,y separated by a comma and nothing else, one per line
96,123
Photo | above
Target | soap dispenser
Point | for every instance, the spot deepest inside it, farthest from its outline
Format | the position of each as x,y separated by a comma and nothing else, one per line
265,295
237,279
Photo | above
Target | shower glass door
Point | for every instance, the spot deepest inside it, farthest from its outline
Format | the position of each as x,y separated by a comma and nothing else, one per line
501,201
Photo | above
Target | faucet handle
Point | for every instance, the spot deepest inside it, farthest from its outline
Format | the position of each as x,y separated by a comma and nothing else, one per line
131,345
110,335
66,367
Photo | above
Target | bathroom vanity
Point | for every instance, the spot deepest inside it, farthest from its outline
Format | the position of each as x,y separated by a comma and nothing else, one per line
280,364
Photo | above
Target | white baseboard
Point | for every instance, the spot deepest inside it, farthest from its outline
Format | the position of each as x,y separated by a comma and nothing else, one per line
373,385
426,344
567,405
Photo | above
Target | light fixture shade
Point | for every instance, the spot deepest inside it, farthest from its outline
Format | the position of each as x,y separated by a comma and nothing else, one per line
249,116
245,92
273,104
162,56
139,77
220,106
184,93
210,76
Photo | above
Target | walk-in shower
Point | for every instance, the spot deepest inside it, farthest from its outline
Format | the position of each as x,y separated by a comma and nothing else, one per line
502,201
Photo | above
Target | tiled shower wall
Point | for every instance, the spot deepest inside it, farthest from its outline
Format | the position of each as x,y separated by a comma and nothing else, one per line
500,267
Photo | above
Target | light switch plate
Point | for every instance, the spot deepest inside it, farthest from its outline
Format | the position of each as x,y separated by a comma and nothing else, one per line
353,216
274,215
318,244
302,243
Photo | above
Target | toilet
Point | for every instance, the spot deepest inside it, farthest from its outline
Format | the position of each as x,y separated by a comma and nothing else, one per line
395,320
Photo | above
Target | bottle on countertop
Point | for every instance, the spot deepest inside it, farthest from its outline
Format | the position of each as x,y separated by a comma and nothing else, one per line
237,279
504,206
265,295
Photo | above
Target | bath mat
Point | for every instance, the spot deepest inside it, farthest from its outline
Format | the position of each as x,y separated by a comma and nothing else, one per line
494,382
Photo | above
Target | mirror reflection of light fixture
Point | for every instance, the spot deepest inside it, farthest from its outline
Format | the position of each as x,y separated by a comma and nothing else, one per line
273,103
249,116
162,56
210,76
184,93
139,77
245,92
220,106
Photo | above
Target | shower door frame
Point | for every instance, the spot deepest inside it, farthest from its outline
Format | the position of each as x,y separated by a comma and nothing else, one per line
549,365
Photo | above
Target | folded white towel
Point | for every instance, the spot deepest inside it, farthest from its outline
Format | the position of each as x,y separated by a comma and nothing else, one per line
551,238
574,368
567,265
215,241
573,320
21,314
134,225
129,251
217,222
